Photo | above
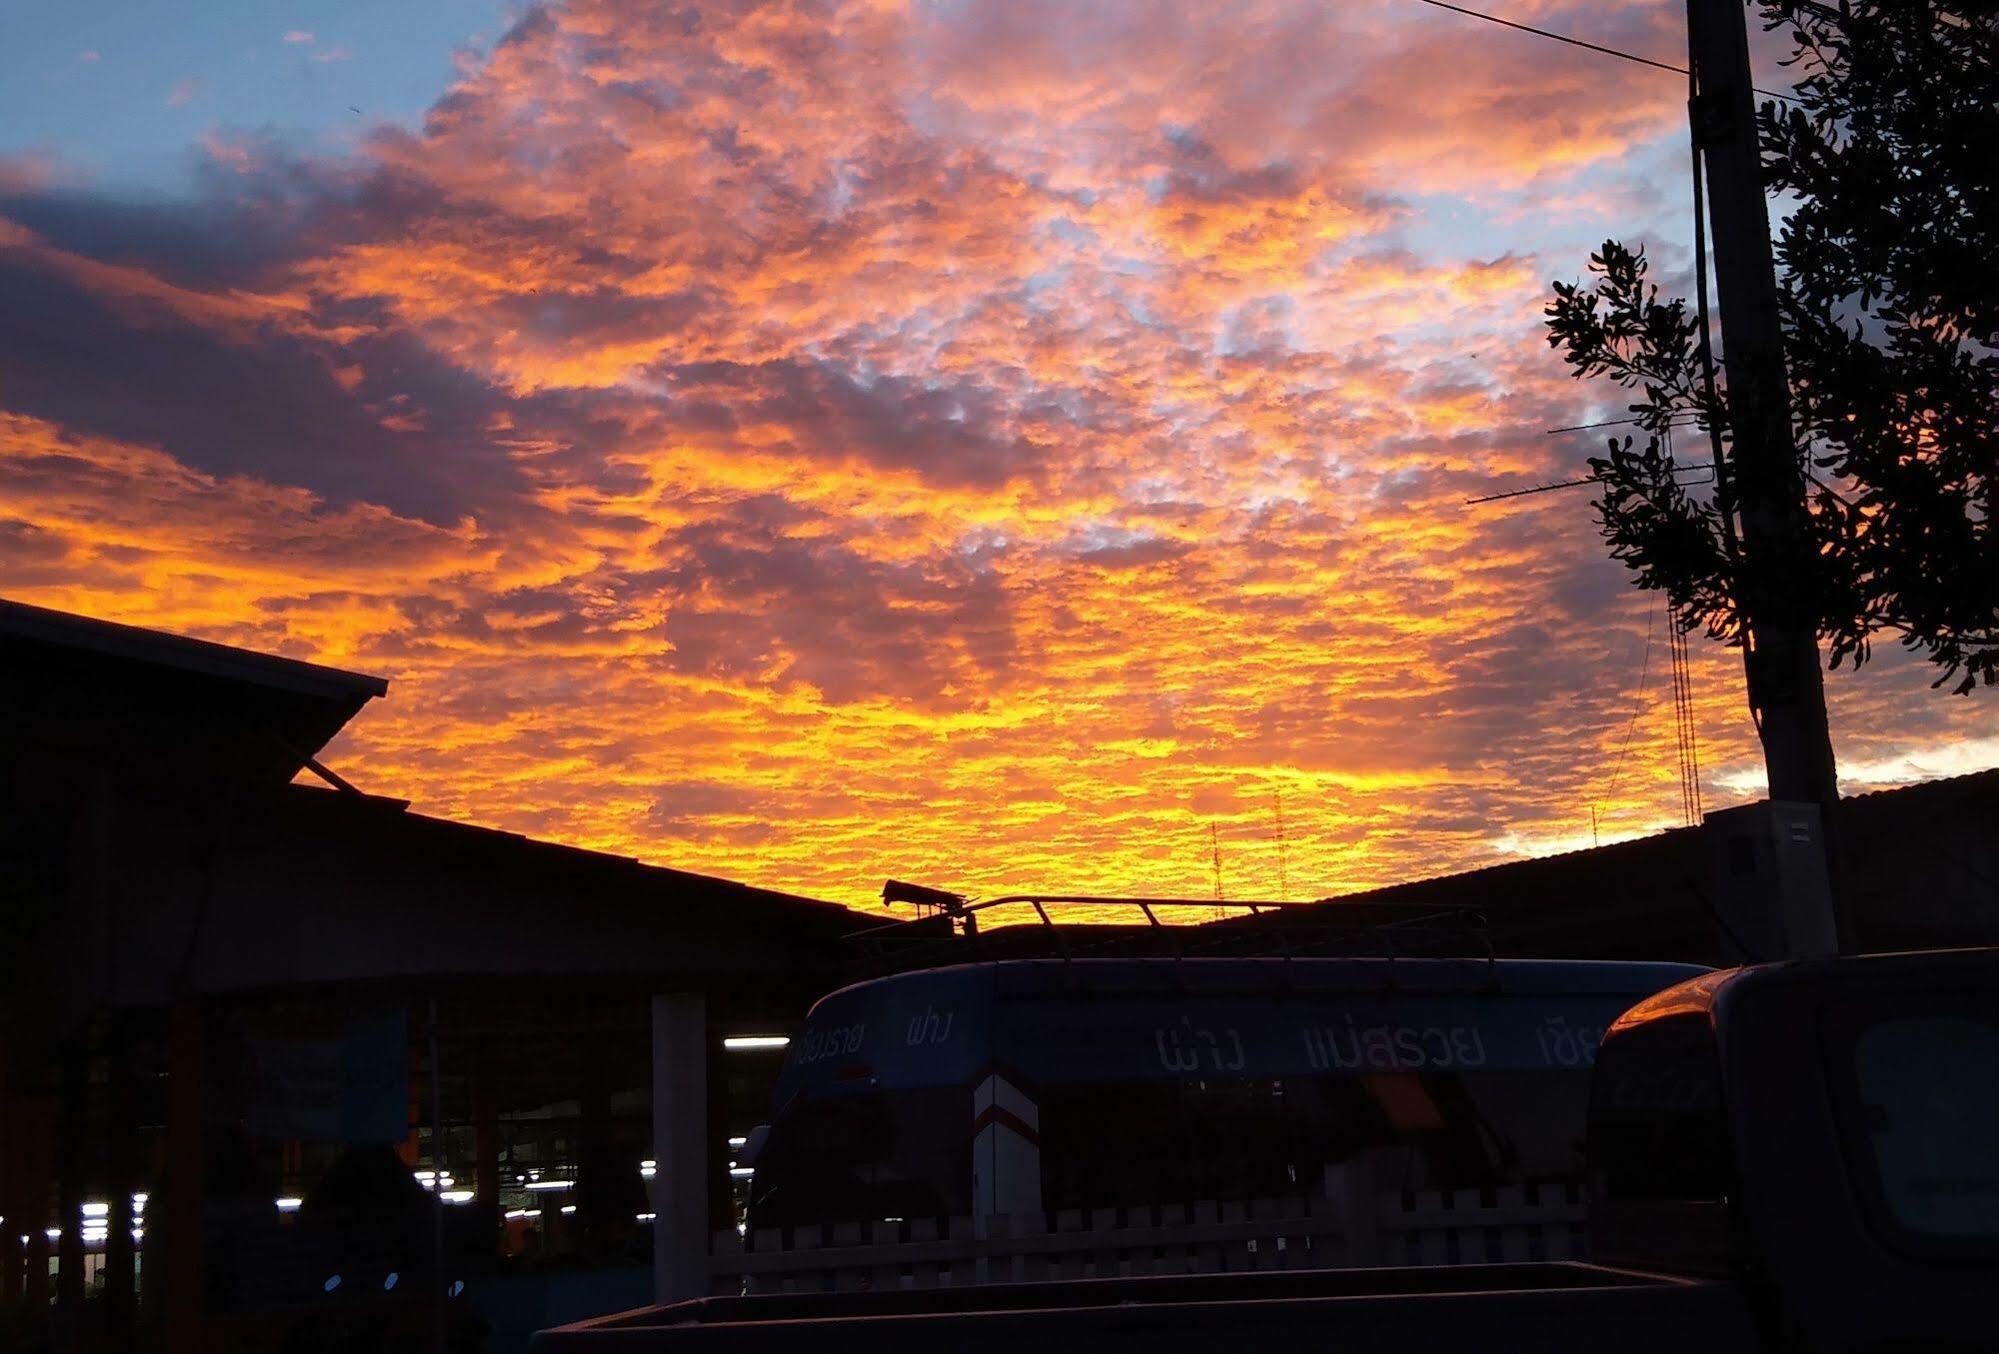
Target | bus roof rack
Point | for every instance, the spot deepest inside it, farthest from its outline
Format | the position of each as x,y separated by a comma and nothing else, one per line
948,929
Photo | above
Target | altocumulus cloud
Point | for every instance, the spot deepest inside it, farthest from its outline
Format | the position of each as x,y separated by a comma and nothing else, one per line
809,441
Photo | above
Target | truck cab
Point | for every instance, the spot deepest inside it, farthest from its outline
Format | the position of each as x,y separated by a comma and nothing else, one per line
1824,1133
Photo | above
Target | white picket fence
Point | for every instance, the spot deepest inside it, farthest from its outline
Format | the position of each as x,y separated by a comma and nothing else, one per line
1321,1230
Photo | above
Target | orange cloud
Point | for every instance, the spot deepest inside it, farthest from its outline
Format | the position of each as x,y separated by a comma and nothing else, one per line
997,444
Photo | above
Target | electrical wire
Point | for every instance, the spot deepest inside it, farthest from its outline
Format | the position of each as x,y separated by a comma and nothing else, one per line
1578,42
1573,484
1607,423
1558,37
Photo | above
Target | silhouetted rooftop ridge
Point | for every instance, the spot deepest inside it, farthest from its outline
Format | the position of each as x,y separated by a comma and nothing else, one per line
63,629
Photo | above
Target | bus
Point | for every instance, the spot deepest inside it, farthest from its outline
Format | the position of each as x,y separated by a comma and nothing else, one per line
1039,1085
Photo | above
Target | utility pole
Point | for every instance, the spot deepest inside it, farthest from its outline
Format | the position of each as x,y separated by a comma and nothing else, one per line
1777,566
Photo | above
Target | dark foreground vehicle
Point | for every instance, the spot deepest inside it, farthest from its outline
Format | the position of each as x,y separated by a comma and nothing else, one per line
1795,1157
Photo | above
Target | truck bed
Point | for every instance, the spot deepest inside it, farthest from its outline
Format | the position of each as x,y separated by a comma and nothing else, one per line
1529,1308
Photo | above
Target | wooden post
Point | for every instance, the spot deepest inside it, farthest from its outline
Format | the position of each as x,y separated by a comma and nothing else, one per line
680,1146
1781,660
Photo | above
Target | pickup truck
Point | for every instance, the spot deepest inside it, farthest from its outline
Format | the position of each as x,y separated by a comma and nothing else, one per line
1799,1156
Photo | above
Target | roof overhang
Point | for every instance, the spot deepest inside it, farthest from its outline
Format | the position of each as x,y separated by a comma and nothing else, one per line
80,691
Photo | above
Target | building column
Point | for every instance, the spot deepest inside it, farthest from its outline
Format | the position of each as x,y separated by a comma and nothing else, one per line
31,1159
71,1158
186,1149
680,1145
485,1147
10,1148
121,1161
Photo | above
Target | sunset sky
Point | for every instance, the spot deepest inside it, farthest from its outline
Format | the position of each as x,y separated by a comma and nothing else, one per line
982,443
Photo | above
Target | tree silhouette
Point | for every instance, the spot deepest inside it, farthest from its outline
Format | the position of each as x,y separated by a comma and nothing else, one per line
1889,294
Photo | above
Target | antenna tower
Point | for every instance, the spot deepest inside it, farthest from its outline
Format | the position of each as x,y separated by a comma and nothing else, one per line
1283,846
1215,849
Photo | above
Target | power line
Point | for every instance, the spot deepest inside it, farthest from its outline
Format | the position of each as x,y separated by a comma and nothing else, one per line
1572,484
1558,37
1607,423
1578,42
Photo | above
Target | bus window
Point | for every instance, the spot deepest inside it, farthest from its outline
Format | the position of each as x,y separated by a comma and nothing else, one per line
1112,1144
1450,1130
863,1158
1133,1143
1241,1142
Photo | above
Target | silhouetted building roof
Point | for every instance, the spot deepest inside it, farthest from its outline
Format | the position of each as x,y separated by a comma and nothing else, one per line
149,775
1921,869
85,690
332,887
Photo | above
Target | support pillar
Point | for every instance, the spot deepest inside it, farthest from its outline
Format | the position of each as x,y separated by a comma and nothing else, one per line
186,1148
70,1164
596,1196
10,1207
33,1161
680,1145
121,1166
486,1149
36,1285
